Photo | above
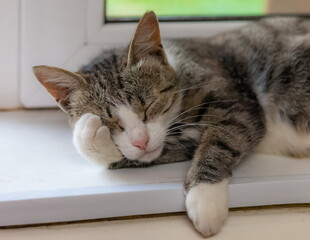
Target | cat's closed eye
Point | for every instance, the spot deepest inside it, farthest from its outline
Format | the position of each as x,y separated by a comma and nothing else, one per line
168,106
108,111
120,125
166,89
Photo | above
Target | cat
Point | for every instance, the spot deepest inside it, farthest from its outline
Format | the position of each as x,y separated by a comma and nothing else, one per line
212,100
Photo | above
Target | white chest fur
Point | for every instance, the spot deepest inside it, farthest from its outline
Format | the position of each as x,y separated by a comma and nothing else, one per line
282,139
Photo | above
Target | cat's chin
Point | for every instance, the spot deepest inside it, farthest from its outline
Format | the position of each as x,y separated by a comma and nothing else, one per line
151,155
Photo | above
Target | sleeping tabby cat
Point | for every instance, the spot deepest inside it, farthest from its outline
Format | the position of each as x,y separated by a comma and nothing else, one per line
210,100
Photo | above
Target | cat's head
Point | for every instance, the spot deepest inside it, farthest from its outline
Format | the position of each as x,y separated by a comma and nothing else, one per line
134,91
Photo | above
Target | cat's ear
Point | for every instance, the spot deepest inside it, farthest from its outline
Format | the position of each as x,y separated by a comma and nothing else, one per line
146,40
59,83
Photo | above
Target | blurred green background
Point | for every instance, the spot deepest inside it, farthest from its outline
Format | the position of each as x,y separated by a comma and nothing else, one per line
135,8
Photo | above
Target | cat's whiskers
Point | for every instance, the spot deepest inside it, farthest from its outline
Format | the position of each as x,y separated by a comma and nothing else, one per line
214,126
190,88
185,125
197,125
187,110
175,143
199,106
181,125
184,122
199,115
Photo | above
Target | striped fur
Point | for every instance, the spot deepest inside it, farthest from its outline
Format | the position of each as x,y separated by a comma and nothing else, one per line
235,89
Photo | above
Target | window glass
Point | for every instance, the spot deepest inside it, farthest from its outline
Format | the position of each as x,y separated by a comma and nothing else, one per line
126,10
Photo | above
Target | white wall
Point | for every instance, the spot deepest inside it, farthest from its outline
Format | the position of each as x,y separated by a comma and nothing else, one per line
9,53
52,31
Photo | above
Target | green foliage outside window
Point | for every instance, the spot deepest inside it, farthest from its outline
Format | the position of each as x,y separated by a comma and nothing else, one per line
166,8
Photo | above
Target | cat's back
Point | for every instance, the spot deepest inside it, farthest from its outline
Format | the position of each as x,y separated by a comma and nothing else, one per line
271,59
268,35
267,39
277,28
255,50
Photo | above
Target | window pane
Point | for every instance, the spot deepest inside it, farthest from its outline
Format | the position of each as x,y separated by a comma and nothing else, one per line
126,9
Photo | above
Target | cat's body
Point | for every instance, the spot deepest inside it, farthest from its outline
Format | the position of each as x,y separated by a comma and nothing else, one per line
210,100
267,62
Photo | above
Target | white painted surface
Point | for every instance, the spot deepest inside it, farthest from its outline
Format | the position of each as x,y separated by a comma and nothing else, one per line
43,179
275,224
9,53
51,33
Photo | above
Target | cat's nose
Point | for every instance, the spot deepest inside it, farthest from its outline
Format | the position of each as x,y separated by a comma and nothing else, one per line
140,142
139,137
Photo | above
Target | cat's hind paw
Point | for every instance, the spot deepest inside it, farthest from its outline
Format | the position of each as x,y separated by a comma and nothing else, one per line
93,141
207,207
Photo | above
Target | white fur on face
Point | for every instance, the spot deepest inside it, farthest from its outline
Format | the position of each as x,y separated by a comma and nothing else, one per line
156,131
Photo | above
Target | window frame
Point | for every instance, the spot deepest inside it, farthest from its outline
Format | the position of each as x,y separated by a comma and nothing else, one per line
92,35
9,48
120,33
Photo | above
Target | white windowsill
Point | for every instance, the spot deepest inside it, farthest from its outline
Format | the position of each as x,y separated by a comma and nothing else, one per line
43,179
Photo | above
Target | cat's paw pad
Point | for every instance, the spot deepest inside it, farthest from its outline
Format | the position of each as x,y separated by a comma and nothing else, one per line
207,207
93,140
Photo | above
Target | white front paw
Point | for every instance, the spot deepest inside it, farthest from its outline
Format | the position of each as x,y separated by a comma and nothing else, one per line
207,206
93,140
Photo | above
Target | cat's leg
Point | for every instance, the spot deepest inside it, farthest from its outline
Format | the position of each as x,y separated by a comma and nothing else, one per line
93,141
222,146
